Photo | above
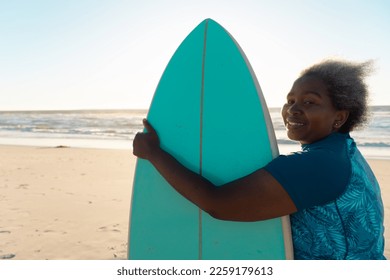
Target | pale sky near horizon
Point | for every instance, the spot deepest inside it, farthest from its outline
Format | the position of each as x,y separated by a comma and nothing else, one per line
101,54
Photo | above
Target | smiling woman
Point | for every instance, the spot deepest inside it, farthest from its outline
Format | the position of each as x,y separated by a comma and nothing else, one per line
328,188
309,114
324,105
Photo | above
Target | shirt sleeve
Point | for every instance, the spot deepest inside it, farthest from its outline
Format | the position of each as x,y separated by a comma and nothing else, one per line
311,178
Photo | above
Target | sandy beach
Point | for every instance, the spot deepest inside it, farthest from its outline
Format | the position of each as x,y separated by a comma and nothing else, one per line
73,203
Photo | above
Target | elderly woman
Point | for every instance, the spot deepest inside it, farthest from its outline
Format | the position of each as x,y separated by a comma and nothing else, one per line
328,188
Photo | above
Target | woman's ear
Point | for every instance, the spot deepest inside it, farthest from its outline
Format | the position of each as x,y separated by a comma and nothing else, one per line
341,118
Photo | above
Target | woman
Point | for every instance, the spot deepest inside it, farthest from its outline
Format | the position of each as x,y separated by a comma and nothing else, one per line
328,188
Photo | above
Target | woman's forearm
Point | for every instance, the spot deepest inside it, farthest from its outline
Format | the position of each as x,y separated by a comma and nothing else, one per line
191,185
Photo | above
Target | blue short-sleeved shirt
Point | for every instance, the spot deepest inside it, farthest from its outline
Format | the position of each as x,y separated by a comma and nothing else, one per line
340,211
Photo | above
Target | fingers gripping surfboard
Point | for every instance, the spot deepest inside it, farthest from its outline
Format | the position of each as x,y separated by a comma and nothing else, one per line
210,113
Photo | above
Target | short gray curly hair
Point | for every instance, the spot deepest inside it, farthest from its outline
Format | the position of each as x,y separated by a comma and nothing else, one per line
347,88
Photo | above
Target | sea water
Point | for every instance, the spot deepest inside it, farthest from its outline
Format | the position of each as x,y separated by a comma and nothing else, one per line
115,129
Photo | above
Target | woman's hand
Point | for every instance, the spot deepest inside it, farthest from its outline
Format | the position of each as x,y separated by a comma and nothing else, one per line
146,144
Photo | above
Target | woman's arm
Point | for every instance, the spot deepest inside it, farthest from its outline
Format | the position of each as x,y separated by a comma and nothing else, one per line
255,197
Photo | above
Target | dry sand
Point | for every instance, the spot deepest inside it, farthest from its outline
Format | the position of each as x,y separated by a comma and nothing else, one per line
64,203
70,203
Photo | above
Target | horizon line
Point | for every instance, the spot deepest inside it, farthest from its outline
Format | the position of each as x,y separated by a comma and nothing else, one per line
113,109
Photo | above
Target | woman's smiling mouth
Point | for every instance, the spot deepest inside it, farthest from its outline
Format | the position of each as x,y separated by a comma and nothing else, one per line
294,124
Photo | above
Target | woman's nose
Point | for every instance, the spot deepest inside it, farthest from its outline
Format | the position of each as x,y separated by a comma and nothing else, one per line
294,109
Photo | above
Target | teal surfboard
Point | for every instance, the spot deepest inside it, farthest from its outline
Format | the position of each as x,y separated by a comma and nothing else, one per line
209,112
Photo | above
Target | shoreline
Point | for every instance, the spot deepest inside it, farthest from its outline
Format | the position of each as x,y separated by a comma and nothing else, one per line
374,153
74,203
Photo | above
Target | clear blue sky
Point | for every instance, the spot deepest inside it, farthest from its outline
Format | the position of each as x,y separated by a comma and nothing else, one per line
80,54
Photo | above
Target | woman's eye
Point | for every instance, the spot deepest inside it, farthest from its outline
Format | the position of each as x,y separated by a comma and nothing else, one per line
290,101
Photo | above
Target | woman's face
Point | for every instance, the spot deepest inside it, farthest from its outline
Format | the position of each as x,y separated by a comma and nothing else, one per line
309,114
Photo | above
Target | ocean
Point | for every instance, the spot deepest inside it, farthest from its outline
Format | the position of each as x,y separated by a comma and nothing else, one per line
115,129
